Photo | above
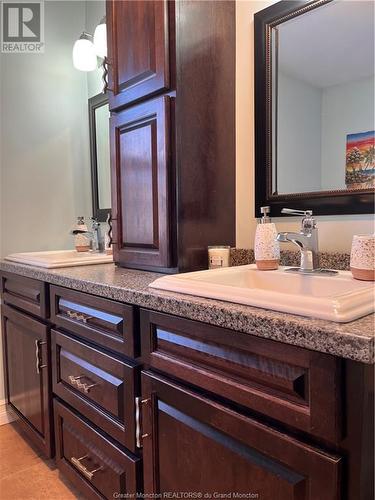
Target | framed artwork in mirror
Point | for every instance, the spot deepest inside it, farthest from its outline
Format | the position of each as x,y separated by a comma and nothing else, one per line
100,156
315,106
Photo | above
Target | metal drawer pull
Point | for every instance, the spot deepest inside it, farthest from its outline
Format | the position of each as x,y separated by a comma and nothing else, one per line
138,432
38,355
87,473
76,381
83,318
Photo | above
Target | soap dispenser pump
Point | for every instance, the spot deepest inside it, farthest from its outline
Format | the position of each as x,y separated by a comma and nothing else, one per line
266,247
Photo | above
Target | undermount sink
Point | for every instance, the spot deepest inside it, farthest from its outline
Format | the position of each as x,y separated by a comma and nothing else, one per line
60,258
337,298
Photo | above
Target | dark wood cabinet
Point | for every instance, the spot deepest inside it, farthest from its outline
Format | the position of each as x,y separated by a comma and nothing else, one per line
193,444
204,409
101,387
94,464
138,49
27,377
295,386
172,156
141,202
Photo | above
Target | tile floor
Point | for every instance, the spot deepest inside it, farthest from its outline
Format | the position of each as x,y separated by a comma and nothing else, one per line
24,475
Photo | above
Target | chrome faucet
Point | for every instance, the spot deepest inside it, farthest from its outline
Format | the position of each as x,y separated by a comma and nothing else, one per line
306,240
96,239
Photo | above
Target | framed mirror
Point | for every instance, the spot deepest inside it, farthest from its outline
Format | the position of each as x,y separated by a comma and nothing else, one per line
314,106
99,153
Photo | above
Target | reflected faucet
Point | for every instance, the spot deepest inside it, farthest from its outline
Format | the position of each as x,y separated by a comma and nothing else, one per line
306,241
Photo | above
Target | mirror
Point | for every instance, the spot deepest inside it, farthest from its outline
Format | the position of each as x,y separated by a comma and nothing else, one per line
99,154
315,119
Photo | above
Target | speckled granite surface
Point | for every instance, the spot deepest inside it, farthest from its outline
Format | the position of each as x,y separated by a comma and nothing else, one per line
240,257
353,340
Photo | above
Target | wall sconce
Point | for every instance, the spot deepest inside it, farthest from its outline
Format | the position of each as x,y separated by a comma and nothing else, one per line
84,53
100,39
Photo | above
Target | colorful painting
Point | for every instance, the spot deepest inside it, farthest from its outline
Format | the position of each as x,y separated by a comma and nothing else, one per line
360,160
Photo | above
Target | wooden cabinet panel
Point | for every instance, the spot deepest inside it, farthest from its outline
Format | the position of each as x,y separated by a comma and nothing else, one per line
26,357
102,321
97,467
292,385
101,387
140,184
219,450
138,49
25,293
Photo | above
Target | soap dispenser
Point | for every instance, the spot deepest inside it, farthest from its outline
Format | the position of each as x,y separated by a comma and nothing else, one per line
266,247
82,239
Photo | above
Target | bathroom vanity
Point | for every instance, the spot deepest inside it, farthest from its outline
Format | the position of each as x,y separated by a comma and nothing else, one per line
137,390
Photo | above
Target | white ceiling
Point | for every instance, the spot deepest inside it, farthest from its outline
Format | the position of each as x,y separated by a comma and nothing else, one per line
329,45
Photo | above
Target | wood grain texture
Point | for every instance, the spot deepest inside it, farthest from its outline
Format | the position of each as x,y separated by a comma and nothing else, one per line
26,294
140,166
118,471
109,404
292,385
26,348
138,50
102,321
231,453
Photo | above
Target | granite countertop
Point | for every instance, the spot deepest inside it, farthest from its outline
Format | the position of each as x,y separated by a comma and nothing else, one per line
354,340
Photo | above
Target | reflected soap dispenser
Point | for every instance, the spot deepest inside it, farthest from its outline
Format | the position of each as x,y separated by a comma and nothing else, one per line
266,247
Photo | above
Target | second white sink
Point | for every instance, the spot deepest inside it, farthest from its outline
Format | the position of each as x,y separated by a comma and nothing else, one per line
336,298
60,258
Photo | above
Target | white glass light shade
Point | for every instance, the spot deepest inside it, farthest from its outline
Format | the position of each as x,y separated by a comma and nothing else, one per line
100,39
84,54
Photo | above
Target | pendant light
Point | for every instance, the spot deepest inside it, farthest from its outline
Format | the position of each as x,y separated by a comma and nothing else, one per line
100,39
84,53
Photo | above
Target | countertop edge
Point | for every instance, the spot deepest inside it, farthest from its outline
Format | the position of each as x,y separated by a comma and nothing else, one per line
316,335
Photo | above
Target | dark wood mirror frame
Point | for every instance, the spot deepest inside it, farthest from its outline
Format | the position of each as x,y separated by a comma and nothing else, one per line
323,202
94,103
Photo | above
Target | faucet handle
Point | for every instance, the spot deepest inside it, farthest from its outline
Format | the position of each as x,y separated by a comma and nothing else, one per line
291,211
308,222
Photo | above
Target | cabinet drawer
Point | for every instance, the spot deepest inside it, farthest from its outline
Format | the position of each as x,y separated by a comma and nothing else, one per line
93,463
103,321
99,386
295,386
25,293
225,452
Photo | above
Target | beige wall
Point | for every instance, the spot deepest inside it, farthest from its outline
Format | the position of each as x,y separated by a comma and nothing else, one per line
335,232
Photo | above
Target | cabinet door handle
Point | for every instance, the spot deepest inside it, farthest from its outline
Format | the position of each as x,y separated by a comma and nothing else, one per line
87,473
38,365
138,428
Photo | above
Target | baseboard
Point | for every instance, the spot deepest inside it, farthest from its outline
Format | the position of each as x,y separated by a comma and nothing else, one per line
6,414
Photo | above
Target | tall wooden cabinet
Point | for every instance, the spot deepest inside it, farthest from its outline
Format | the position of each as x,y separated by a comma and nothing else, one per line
171,93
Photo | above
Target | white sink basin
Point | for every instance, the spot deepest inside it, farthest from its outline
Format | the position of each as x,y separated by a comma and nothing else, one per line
338,298
60,258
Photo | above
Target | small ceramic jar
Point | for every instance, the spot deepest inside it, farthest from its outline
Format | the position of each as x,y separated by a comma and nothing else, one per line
362,257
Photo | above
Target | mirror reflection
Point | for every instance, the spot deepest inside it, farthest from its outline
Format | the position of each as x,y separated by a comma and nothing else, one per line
323,100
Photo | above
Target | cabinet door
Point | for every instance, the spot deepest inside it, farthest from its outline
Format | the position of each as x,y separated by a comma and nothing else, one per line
193,444
140,185
138,49
27,374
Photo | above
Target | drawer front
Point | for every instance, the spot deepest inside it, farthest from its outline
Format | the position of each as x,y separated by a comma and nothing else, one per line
295,386
103,321
25,293
99,386
93,463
